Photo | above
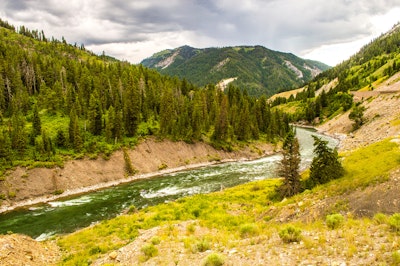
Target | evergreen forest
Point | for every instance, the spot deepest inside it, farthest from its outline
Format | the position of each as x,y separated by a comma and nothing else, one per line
59,101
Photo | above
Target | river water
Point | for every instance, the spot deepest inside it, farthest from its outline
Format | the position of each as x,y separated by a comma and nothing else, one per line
70,214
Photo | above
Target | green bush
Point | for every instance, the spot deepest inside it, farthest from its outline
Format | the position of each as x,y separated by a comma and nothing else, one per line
202,245
333,221
249,230
396,258
162,166
380,218
58,192
129,169
290,234
214,259
149,250
394,222
155,240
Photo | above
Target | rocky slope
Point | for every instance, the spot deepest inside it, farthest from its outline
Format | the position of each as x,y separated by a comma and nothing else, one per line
382,116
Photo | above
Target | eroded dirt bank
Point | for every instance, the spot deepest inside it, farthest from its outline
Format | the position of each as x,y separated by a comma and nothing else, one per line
24,186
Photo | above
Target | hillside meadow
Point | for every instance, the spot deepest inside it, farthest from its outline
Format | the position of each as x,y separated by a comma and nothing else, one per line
247,224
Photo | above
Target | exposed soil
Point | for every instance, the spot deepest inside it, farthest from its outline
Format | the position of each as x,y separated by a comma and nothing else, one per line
382,117
16,250
29,186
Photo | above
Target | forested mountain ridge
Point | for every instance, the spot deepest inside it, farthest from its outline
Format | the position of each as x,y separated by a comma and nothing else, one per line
260,70
59,100
332,92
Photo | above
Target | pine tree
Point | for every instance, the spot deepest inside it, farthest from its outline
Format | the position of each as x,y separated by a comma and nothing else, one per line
167,112
17,133
5,147
94,115
131,111
36,123
325,166
221,128
61,140
75,137
289,166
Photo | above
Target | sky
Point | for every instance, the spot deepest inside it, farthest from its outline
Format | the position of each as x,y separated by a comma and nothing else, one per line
324,30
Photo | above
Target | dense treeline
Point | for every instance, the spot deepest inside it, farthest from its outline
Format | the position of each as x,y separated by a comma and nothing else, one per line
58,99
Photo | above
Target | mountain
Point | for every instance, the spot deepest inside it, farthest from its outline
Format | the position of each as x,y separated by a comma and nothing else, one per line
256,68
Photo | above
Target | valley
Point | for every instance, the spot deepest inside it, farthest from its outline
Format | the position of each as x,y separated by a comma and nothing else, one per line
147,124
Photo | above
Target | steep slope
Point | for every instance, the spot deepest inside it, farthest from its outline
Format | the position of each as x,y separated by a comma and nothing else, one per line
256,68
367,75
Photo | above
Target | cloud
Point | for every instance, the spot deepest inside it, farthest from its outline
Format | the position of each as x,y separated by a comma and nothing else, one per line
285,25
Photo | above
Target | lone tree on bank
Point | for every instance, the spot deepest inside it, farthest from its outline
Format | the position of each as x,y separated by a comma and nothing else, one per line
288,167
325,166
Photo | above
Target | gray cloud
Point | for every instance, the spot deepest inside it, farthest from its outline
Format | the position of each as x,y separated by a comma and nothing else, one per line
286,25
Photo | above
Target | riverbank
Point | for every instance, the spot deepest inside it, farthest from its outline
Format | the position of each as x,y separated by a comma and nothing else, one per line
150,158
83,190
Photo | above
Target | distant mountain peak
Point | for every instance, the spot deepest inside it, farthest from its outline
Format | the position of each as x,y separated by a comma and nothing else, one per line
257,69
168,61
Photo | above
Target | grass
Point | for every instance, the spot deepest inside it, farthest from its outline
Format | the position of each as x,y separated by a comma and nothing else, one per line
247,213
394,222
364,167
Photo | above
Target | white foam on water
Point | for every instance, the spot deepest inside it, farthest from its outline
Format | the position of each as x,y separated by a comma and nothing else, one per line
168,191
73,202
45,236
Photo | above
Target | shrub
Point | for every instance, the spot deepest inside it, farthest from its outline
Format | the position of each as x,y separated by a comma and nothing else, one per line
162,166
12,194
132,209
195,245
333,221
290,234
396,257
380,218
202,245
129,169
394,222
58,192
149,250
155,240
191,228
214,259
248,230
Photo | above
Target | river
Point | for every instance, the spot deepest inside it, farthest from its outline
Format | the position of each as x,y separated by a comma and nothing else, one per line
72,213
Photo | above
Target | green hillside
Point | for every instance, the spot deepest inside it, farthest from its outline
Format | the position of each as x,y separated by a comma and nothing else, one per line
60,101
329,93
259,70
